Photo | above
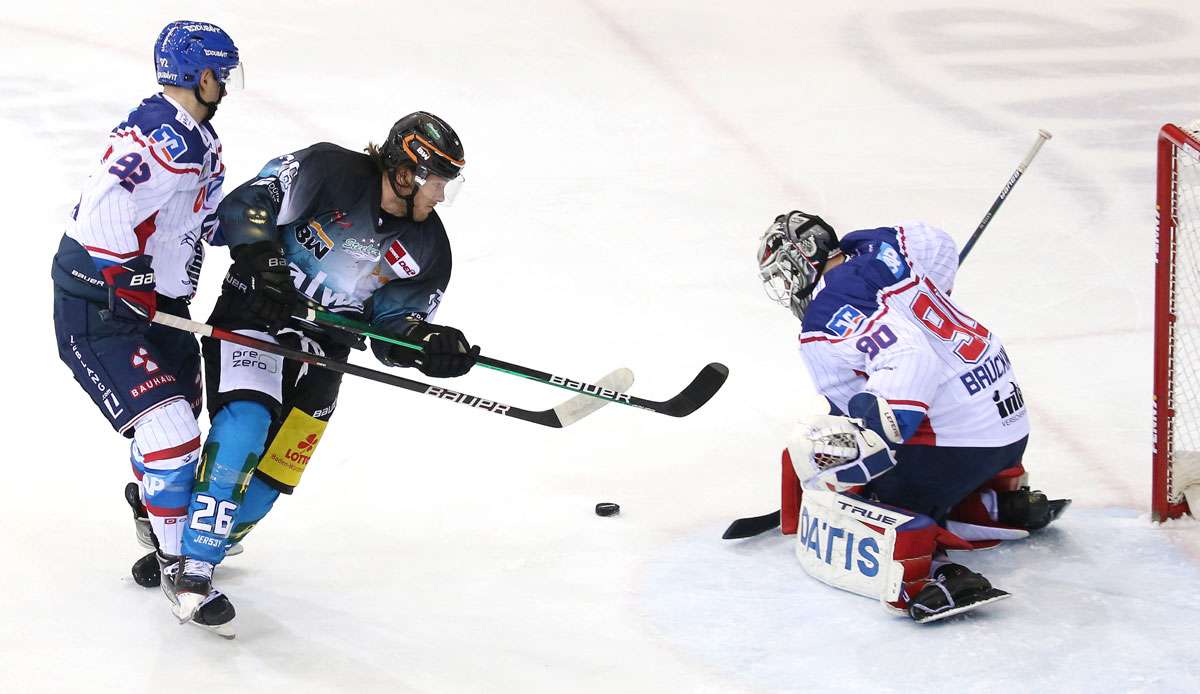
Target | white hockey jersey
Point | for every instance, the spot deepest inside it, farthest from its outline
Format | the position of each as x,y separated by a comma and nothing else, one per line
883,322
150,193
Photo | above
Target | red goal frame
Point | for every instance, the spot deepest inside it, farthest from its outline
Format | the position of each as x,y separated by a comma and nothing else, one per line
1170,139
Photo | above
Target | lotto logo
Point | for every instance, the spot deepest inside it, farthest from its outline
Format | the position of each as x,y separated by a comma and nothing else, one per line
141,360
303,450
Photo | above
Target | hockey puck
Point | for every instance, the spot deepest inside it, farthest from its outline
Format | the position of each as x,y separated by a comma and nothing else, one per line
607,508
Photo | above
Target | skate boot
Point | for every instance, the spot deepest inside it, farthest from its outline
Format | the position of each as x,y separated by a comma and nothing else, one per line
141,521
210,609
146,571
1027,509
193,583
954,589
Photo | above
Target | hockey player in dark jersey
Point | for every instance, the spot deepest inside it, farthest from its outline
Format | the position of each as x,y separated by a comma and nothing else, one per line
356,234
133,245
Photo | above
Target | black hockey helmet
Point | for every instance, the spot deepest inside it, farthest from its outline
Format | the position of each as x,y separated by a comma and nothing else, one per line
429,146
423,140
791,258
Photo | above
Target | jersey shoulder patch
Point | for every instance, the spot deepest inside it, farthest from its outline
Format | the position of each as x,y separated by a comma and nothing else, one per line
847,298
882,246
172,136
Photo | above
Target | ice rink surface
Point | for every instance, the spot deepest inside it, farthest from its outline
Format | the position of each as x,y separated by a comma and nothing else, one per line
623,159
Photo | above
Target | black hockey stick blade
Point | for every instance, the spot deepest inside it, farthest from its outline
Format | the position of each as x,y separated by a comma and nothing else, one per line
702,388
749,527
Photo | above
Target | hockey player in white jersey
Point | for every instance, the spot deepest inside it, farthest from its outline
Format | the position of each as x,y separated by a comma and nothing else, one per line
133,245
921,451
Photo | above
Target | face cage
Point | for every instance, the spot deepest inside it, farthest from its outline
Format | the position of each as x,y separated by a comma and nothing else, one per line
786,275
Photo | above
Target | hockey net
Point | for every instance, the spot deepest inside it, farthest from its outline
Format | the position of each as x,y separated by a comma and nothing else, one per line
1177,325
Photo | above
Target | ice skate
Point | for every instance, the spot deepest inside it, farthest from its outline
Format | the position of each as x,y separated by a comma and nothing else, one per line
1028,509
954,589
192,596
141,520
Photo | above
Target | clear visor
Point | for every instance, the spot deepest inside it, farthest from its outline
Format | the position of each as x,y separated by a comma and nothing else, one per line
234,78
443,190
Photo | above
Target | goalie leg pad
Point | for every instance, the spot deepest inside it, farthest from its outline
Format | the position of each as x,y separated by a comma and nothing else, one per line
869,549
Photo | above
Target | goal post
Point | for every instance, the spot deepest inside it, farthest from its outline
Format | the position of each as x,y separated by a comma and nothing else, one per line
1176,443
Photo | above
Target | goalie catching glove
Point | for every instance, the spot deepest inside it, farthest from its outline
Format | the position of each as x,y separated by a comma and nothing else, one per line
846,452
445,352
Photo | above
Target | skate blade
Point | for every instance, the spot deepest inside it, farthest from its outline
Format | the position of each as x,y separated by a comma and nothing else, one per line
226,631
987,598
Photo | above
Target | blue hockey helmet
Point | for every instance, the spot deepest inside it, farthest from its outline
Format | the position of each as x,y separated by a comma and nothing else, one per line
185,49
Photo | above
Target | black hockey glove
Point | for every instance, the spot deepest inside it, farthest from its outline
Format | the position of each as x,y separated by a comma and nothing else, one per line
131,289
260,275
446,352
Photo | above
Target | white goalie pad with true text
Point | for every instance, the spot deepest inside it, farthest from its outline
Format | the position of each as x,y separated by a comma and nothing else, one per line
850,544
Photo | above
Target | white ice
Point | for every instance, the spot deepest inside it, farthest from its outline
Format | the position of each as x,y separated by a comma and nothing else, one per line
623,159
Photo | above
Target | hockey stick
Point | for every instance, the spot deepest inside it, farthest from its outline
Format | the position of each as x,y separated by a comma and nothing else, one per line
1043,136
557,417
702,388
749,527
756,525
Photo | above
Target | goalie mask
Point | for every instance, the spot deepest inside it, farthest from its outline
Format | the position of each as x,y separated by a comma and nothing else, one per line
791,258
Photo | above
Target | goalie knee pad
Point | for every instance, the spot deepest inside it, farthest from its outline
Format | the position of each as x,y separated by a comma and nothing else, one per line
164,450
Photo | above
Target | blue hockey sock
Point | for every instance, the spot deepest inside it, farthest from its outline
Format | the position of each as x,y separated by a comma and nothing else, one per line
235,442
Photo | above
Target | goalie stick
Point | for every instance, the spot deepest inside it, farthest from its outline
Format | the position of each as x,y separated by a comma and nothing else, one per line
757,525
1043,136
561,415
702,388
